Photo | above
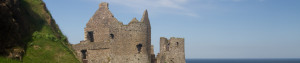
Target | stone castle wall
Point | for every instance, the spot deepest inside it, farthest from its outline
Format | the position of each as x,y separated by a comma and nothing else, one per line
127,43
107,40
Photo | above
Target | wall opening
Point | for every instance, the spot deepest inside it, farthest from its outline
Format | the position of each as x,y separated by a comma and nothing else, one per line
177,43
139,47
83,52
167,47
112,36
90,36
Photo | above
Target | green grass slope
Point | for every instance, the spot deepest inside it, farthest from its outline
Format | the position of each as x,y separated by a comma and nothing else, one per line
45,43
45,47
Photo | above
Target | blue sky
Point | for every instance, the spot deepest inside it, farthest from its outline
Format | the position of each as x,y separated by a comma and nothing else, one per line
211,28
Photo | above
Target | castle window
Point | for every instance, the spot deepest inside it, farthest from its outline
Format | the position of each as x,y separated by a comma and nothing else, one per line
112,36
83,52
167,47
139,47
90,36
177,43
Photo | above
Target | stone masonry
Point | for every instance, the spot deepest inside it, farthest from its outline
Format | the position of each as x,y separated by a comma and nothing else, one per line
171,51
106,40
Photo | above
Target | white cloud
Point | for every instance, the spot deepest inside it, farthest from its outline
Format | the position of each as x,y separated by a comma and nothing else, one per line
159,6
179,7
171,4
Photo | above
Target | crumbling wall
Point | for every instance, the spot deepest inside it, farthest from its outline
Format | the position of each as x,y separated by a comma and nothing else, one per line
109,41
171,51
131,43
98,56
100,24
90,48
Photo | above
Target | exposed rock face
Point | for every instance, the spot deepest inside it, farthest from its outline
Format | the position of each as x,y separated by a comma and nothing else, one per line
109,41
12,27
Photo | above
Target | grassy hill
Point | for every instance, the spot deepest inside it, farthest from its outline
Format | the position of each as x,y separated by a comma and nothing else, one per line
28,26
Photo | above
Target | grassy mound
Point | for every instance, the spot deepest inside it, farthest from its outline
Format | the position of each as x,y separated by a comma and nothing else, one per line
45,47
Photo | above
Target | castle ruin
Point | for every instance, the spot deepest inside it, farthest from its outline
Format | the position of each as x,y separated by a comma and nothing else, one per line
106,40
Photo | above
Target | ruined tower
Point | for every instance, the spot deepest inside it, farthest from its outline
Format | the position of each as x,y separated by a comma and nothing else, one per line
106,40
171,51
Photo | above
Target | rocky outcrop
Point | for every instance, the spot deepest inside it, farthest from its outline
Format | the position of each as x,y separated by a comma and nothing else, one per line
13,27
17,24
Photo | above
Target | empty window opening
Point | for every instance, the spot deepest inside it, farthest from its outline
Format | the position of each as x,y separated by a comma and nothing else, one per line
167,47
139,47
90,36
112,36
177,43
83,52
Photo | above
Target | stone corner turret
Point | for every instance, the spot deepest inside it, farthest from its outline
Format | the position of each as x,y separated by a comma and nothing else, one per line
145,18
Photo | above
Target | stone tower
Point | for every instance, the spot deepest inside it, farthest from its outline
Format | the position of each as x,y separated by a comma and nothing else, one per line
108,40
171,51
